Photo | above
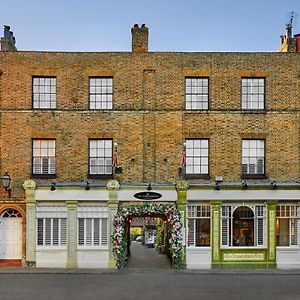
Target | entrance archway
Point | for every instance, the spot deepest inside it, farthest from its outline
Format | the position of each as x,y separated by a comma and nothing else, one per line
12,242
124,214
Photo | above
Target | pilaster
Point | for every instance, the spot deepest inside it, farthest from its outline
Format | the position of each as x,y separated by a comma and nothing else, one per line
216,217
182,188
271,210
29,187
71,233
113,203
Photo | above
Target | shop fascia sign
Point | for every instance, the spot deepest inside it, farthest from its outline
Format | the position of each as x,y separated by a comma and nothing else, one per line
147,195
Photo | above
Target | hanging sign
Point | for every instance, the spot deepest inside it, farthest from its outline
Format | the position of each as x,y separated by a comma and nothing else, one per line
147,195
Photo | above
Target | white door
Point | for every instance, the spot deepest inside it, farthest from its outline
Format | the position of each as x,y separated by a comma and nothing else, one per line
10,237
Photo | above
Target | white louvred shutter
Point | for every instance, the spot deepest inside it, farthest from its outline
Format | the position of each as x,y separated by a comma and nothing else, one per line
48,231
45,167
37,166
55,230
96,232
63,231
52,165
260,166
191,232
104,231
225,232
40,232
88,232
294,231
81,232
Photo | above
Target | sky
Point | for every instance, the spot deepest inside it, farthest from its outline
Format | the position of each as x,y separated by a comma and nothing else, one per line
174,25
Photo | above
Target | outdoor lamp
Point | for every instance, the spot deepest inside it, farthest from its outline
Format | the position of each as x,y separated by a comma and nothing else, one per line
5,179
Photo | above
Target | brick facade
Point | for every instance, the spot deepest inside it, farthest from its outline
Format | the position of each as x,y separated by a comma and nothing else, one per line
148,119
150,124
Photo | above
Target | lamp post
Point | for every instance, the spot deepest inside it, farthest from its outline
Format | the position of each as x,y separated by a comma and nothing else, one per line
5,180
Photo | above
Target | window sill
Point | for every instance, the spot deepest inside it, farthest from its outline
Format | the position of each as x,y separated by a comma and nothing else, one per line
92,248
196,109
100,176
294,247
254,176
253,111
243,248
197,176
198,247
44,176
43,109
51,248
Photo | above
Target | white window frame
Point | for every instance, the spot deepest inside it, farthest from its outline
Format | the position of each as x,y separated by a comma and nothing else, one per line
197,157
44,92
253,93
61,236
100,156
260,213
88,217
52,212
290,214
43,157
195,212
101,93
253,157
196,93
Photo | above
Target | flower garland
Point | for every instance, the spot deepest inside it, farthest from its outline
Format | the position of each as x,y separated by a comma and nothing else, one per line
120,243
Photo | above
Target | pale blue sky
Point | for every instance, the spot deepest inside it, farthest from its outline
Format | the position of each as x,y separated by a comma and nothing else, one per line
178,25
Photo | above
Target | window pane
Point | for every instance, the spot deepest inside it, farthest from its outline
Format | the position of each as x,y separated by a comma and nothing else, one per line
202,232
101,91
282,232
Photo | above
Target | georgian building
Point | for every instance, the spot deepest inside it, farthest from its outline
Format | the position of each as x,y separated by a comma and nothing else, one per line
215,135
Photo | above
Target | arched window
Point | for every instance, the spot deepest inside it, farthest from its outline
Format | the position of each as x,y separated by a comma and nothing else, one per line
11,213
243,227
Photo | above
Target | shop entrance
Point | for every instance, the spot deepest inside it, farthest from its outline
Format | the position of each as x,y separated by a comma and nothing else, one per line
157,227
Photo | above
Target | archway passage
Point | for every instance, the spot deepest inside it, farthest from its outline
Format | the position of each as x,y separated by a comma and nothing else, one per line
148,245
10,238
168,212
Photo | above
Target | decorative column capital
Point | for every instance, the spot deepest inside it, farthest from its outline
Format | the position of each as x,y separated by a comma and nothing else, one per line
29,185
113,185
182,186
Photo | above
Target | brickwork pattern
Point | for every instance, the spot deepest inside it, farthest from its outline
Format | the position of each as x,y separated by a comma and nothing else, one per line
148,119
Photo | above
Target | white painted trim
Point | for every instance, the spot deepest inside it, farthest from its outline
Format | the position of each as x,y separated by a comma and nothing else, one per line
232,195
63,194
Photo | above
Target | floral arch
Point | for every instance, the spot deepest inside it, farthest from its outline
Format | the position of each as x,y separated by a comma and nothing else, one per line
168,210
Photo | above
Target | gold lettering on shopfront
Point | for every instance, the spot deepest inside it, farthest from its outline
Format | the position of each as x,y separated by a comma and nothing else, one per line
243,256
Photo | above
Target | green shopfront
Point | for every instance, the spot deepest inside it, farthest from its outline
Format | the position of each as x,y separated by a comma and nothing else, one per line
234,227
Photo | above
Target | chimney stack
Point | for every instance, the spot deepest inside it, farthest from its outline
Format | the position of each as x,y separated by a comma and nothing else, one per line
8,42
139,38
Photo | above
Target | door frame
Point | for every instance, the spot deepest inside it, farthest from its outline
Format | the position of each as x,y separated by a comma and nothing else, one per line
5,207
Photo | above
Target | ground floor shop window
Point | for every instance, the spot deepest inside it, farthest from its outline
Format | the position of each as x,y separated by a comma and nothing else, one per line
243,226
288,225
92,226
51,231
51,225
199,225
92,231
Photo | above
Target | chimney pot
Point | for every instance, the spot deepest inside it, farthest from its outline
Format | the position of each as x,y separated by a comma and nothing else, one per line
8,42
139,38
